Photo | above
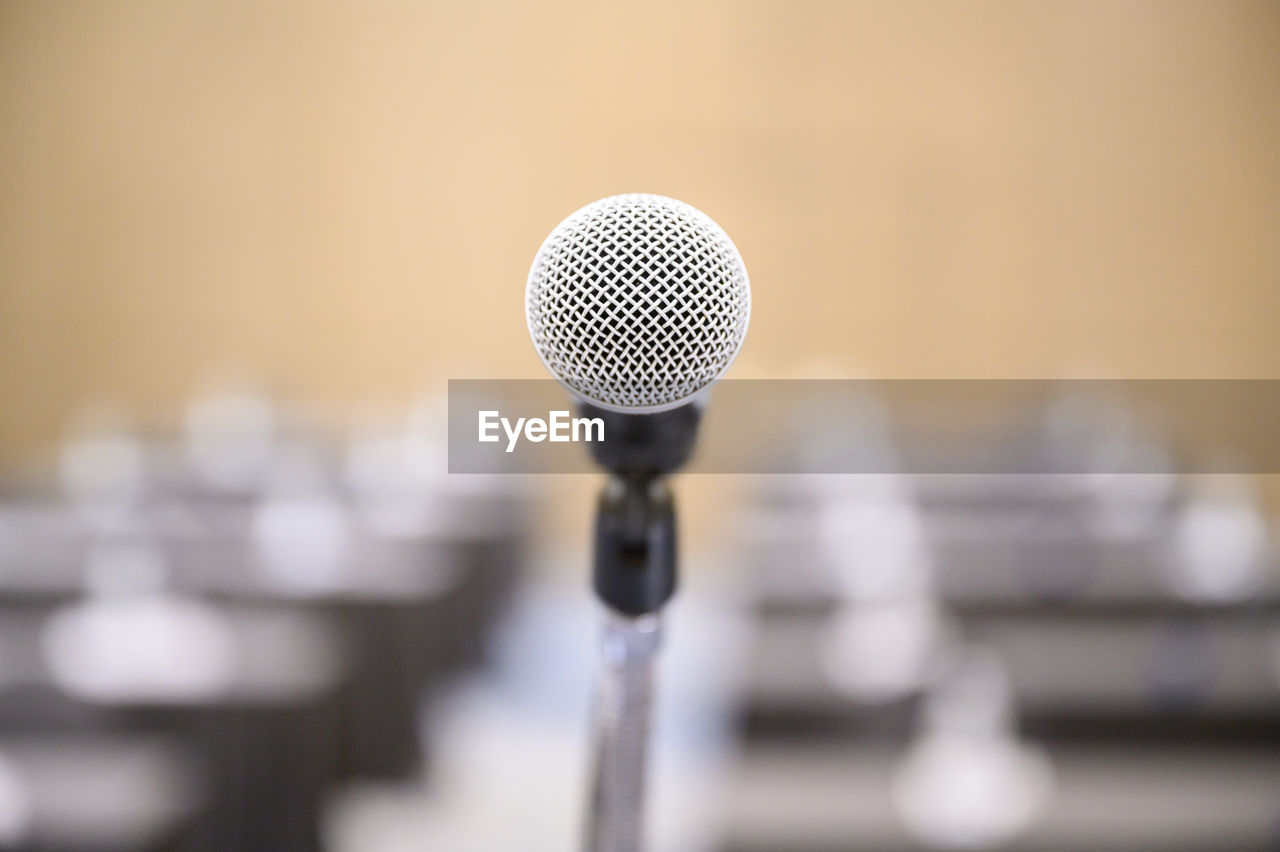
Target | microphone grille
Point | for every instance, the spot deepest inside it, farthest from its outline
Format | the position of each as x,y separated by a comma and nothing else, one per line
637,302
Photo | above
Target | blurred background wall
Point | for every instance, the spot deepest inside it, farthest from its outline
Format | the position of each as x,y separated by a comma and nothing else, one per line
343,199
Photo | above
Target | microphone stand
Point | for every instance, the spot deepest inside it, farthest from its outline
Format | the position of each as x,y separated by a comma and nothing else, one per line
634,575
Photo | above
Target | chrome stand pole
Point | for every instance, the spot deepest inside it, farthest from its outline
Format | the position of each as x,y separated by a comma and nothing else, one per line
629,646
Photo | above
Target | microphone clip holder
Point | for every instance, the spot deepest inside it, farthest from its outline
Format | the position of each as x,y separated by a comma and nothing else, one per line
634,569
635,530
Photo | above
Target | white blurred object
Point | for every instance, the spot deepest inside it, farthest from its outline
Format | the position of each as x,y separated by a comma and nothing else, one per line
957,793
1220,544
392,475
876,546
228,438
15,806
301,541
301,530
156,647
968,783
103,470
94,792
881,646
1132,505
1128,476
882,652
972,697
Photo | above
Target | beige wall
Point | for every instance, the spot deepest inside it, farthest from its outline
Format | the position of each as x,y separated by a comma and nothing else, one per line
345,198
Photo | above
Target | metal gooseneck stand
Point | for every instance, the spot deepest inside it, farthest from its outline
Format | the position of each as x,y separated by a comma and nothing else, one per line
634,575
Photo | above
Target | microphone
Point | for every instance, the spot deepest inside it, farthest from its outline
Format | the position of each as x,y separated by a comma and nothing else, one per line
637,304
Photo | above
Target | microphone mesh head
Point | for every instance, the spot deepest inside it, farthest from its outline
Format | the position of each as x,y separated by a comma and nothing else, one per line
637,302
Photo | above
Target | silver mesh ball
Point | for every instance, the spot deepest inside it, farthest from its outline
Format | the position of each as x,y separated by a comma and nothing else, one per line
637,302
